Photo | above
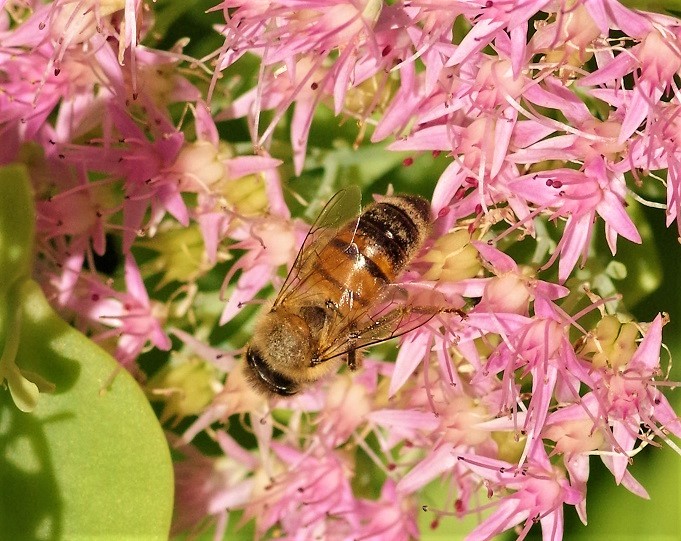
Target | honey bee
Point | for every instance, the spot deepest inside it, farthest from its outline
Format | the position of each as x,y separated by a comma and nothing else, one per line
339,295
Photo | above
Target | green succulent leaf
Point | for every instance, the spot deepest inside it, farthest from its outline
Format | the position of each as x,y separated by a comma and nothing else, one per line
17,225
90,460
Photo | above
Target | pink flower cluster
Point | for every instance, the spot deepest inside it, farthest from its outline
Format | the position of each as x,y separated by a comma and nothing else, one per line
550,115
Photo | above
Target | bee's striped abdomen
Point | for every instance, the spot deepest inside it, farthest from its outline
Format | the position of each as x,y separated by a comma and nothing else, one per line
367,255
395,229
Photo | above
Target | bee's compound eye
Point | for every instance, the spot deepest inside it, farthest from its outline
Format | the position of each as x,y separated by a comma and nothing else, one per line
266,377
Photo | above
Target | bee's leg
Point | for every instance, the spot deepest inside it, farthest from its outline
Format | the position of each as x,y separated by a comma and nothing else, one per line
403,319
353,356
352,359
434,310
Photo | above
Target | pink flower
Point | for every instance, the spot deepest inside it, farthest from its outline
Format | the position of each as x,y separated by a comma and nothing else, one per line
658,148
309,495
130,318
299,43
511,289
628,398
538,492
235,398
336,422
211,487
390,517
270,242
578,197
576,435
658,60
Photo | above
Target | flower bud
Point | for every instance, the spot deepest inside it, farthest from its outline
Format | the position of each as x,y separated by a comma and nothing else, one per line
201,162
180,254
611,344
453,258
506,293
185,385
510,445
247,194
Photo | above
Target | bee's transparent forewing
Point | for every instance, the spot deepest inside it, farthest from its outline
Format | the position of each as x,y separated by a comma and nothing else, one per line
343,207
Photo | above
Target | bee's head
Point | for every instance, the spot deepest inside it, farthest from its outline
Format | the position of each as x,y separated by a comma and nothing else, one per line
266,379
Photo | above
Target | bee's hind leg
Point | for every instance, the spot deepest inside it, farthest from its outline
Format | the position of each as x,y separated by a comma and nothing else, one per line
354,355
354,359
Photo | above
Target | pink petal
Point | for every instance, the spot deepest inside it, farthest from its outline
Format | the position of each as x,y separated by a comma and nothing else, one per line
612,211
205,126
134,283
643,99
436,462
528,132
619,67
476,39
578,469
518,47
411,419
633,486
447,185
210,224
412,351
666,416
174,203
160,339
498,259
503,130
552,526
343,68
555,95
275,194
576,235
508,514
441,137
250,282
626,440
300,130
647,355
542,392
399,111
249,165
233,497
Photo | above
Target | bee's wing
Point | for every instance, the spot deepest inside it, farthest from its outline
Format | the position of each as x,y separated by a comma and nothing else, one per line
391,318
341,208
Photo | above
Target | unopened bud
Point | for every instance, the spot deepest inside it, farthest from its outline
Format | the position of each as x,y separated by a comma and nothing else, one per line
453,258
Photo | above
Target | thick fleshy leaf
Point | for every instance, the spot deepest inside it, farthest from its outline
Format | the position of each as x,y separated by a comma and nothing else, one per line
17,225
91,460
